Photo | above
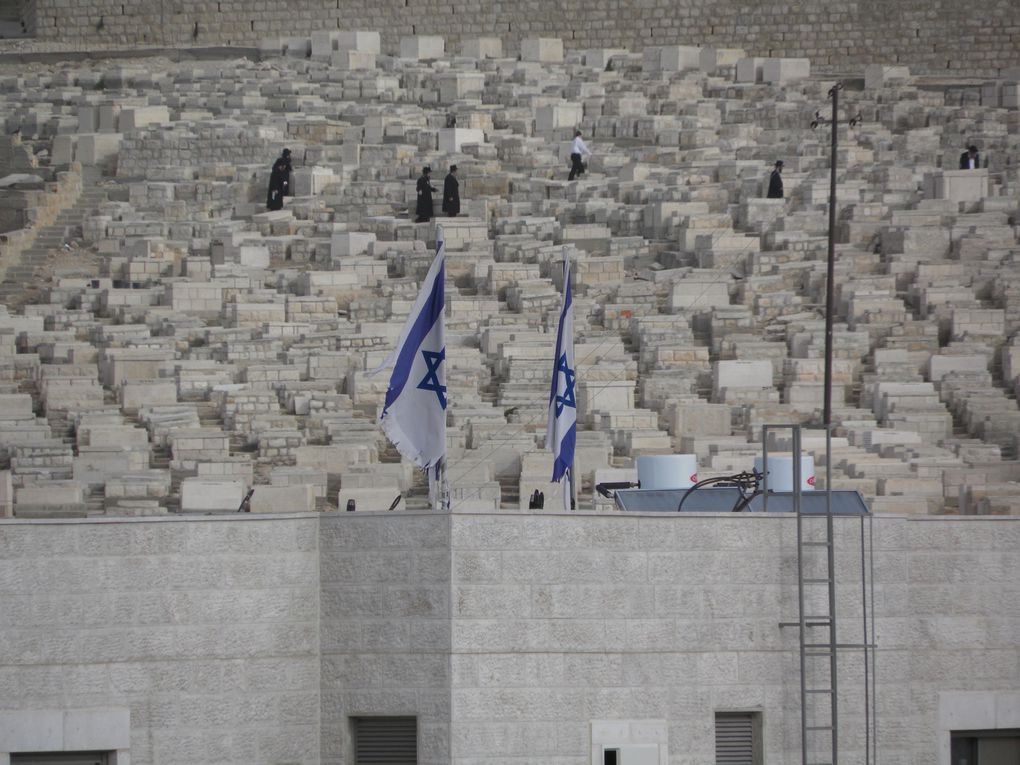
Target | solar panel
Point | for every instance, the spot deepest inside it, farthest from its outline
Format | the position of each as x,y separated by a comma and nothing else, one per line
723,500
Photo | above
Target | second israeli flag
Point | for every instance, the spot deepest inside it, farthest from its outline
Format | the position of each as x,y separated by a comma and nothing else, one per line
561,431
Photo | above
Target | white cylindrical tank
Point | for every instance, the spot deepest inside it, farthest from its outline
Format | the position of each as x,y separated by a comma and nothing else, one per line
667,471
781,472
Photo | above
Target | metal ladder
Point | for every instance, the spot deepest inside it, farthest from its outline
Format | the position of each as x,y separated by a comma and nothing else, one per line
816,630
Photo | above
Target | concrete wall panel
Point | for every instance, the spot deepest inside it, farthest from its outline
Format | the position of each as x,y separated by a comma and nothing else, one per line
256,639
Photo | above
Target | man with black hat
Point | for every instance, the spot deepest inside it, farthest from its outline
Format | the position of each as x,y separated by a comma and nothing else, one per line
776,181
451,193
423,211
970,159
279,181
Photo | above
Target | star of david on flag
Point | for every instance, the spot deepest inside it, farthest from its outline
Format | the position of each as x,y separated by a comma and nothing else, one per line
431,381
561,431
567,399
414,414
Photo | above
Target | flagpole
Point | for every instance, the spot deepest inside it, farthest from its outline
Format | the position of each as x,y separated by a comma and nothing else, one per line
573,459
442,479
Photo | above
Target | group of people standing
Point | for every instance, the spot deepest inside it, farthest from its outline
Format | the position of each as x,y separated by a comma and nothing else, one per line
280,187
423,210
279,180
279,183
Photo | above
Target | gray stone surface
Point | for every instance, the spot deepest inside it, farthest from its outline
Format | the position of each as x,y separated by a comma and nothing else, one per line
204,338
207,630
933,38
250,640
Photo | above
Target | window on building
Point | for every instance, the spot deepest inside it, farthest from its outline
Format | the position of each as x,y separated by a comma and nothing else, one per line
60,758
385,740
738,738
985,747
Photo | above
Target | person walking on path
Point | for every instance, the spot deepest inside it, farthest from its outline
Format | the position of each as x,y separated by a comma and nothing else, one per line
579,149
423,210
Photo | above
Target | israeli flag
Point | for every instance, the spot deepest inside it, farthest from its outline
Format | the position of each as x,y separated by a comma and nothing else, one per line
561,431
414,415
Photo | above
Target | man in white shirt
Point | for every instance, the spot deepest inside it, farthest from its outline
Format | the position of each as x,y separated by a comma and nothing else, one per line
576,151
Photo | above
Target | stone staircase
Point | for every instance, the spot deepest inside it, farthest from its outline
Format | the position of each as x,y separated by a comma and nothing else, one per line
11,25
24,274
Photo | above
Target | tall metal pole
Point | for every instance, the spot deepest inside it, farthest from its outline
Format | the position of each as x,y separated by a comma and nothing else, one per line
830,291
831,264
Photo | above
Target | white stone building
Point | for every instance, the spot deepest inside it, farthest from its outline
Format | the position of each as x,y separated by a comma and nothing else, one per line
496,639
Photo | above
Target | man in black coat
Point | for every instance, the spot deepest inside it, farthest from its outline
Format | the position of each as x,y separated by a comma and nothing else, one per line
279,181
776,182
423,210
451,193
970,159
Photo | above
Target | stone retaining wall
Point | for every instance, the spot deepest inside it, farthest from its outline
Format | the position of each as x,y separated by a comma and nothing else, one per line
250,640
929,35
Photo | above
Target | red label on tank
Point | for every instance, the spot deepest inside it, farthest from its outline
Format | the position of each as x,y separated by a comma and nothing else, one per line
694,477
811,481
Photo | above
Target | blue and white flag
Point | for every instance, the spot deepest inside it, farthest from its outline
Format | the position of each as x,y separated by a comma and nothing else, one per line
561,431
414,415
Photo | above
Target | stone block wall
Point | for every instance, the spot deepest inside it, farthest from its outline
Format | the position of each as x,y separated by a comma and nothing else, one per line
386,628
558,623
558,620
149,152
255,640
930,35
206,630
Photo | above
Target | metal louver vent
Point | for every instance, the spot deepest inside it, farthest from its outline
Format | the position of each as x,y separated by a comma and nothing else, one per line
734,738
385,741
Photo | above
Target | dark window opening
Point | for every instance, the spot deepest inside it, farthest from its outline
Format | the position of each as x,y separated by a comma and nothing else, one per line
60,758
985,747
611,757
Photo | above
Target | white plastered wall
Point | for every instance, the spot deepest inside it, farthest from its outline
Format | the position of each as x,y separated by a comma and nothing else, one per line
71,730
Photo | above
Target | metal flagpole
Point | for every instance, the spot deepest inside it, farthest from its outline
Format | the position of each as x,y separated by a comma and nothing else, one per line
572,503
830,291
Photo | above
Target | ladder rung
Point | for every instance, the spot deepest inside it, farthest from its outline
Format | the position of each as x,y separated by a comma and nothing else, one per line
818,653
819,727
818,645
